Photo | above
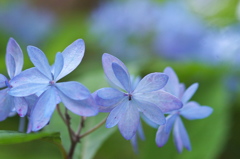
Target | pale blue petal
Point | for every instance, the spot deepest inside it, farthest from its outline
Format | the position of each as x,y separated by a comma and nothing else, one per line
58,65
10,65
189,93
140,131
31,75
102,108
40,61
149,122
6,104
170,121
129,121
21,106
28,82
181,90
161,136
74,90
107,61
43,109
192,110
134,143
108,96
152,82
180,134
122,76
172,85
31,101
150,110
14,62
3,80
27,89
86,107
72,56
164,100
117,113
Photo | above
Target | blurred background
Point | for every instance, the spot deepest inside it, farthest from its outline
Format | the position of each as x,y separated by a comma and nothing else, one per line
199,39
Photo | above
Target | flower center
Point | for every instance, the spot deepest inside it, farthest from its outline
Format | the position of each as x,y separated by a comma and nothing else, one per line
52,82
8,84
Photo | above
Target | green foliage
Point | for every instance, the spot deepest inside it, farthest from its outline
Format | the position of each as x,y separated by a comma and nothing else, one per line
12,137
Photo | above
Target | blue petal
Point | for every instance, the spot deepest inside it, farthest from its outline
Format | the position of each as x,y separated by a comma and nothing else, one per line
6,104
40,61
58,65
162,136
107,61
149,122
172,85
134,143
116,114
181,90
74,90
151,82
170,121
181,136
28,82
14,58
192,110
72,56
150,110
3,80
189,93
122,76
21,106
140,131
43,109
108,96
164,100
31,101
129,121
86,107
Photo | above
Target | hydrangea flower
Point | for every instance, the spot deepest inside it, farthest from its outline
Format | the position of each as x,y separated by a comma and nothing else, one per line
191,110
14,63
42,80
125,102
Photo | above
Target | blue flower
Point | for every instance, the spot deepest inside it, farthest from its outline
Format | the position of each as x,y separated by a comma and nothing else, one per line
190,110
126,101
42,80
14,62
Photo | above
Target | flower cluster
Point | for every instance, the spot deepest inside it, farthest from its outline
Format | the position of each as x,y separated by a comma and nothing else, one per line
35,92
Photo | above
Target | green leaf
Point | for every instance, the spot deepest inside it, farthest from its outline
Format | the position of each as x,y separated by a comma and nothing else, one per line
13,137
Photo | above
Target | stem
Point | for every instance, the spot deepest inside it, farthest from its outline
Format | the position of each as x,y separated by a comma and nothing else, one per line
76,138
67,117
21,127
63,118
94,128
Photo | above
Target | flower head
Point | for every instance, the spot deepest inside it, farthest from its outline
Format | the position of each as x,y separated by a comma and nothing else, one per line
126,101
14,63
42,80
190,110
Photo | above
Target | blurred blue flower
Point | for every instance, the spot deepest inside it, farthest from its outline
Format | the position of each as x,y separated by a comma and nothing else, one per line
42,80
179,32
190,110
29,24
8,103
125,101
222,46
125,27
